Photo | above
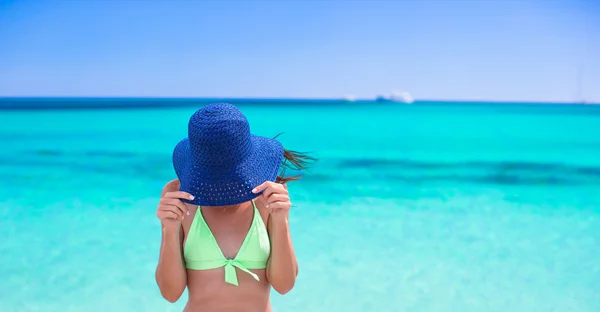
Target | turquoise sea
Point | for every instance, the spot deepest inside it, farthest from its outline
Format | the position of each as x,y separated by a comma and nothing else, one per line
423,207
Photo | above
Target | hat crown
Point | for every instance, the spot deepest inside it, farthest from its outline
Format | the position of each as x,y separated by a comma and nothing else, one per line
220,161
219,136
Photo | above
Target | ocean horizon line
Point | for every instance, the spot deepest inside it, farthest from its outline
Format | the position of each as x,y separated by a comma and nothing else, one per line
250,98
131,102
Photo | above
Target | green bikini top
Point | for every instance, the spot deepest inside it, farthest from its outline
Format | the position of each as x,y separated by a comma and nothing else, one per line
202,252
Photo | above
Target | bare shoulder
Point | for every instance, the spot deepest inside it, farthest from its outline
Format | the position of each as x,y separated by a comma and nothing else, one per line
171,186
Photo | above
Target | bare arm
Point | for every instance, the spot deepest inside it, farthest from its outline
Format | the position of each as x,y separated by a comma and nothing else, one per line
171,275
282,267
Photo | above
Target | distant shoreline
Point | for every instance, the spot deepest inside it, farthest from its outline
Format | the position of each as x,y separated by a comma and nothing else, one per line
46,103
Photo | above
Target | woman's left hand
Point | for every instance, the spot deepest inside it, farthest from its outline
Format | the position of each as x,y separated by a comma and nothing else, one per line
276,197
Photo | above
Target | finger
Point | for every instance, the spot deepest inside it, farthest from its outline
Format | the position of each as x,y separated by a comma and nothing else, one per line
261,187
268,192
168,214
180,195
277,197
173,209
177,205
279,205
182,206
275,188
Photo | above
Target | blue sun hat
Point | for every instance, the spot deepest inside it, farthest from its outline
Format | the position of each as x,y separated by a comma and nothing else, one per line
220,161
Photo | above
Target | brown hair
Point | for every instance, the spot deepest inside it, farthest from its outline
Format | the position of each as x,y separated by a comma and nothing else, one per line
295,161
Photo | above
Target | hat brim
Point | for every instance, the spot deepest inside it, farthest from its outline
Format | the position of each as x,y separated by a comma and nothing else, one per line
234,185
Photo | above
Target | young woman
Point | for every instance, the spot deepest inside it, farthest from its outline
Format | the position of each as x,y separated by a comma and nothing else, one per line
225,229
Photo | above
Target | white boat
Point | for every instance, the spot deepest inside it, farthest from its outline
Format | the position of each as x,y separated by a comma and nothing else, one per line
399,97
349,98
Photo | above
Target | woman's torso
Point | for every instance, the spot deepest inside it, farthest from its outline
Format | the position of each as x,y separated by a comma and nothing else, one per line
207,289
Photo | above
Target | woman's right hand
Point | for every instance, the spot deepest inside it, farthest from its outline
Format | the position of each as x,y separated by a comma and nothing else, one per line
171,210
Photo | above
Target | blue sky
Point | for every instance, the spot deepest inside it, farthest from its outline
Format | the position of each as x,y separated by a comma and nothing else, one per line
519,50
